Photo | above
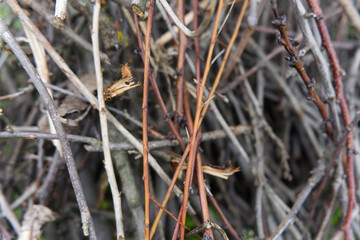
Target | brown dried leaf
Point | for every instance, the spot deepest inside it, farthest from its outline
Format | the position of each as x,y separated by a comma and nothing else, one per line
126,72
221,172
124,84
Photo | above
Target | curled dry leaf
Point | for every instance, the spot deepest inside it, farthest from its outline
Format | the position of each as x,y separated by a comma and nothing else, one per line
221,172
124,84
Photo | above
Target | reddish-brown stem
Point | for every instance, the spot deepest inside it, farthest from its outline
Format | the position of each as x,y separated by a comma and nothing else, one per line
157,91
193,138
294,61
145,118
199,172
337,71
169,191
202,108
177,227
165,210
188,118
180,66
198,162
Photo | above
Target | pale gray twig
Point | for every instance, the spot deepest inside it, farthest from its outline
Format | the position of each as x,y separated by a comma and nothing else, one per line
209,12
67,31
60,9
290,217
7,212
120,233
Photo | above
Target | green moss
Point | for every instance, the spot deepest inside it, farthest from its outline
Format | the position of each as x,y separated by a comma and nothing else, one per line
105,205
336,218
249,234
121,39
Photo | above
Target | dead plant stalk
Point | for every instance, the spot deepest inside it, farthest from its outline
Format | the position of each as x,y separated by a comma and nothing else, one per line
202,108
337,71
145,118
120,234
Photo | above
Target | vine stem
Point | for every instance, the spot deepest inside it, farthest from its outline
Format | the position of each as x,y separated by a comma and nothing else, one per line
192,152
180,67
199,172
145,118
337,71
157,91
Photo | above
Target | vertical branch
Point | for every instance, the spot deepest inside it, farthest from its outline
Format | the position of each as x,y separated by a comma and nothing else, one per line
157,91
145,118
192,151
168,193
103,124
180,67
337,71
199,172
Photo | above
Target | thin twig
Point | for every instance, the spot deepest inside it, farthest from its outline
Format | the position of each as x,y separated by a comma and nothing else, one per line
94,144
67,31
42,69
320,60
146,178
88,226
313,180
192,151
337,71
60,9
7,212
17,94
180,67
120,234
209,12
89,96
294,61
158,94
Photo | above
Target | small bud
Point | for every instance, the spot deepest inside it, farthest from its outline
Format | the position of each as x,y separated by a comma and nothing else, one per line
312,83
287,58
278,37
308,97
319,17
294,42
309,15
281,21
324,125
352,152
293,60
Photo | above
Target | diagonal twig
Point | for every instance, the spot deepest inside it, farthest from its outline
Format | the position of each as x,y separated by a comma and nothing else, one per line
88,226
